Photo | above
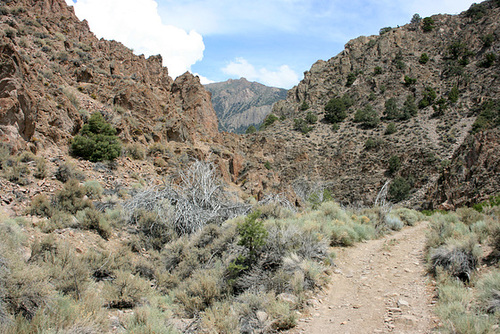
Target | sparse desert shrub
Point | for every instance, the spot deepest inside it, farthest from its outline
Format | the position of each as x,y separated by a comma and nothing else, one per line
157,149
155,232
220,318
393,222
97,140
71,197
135,151
126,290
201,290
468,216
41,171
408,216
93,189
377,70
91,219
489,292
40,206
351,77
67,171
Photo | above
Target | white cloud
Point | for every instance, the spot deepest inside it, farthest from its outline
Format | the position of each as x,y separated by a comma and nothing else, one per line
283,77
137,24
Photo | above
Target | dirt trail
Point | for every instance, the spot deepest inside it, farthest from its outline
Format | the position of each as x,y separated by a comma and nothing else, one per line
378,286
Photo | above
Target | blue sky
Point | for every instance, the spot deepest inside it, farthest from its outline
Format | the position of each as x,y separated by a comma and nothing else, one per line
269,41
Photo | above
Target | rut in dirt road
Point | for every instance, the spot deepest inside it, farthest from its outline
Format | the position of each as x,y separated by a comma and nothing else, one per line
379,286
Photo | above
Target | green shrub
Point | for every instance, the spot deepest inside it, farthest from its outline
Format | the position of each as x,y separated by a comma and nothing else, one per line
391,109
304,106
97,140
394,164
428,97
399,189
424,58
384,30
409,81
489,59
336,109
453,94
377,70
351,77
428,24
251,129
268,121
488,40
398,61
252,234
476,11
390,129
302,125
311,117
489,116
367,116
372,143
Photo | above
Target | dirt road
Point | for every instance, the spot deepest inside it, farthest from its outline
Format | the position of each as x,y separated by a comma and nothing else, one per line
379,286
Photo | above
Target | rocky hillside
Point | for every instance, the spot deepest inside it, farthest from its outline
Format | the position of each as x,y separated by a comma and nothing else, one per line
240,103
410,96
55,72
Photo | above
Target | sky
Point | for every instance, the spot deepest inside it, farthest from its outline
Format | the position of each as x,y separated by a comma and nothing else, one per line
269,41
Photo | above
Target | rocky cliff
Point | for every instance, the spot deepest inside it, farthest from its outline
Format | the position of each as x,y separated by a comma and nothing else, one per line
240,103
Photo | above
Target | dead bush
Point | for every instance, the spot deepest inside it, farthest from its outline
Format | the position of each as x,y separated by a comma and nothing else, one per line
460,260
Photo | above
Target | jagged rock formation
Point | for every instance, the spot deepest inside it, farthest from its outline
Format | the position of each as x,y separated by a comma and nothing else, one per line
373,69
54,71
240,103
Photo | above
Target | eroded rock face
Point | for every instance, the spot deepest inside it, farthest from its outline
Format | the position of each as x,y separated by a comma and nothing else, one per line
54,71
473,174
